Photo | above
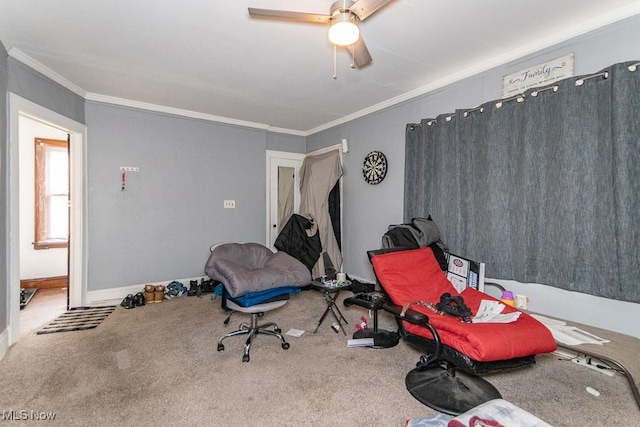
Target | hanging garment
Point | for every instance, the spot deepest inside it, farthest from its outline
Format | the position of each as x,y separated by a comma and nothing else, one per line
318,175
300,239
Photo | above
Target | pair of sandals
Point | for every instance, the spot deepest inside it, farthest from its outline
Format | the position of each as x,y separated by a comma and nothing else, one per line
133,301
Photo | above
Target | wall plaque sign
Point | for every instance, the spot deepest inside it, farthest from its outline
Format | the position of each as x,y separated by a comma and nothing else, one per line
537,75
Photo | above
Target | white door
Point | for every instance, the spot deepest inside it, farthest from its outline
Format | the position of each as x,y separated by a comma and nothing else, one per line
283,190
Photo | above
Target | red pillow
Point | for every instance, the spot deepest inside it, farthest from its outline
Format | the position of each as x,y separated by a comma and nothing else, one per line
410,276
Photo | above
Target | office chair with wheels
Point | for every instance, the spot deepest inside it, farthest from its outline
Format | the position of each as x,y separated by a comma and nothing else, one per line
254,280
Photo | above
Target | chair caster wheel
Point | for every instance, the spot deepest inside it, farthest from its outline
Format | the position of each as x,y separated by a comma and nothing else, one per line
278,330
245,358
220,346
285,346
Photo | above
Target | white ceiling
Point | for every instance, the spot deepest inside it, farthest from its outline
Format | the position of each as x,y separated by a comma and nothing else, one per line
210,58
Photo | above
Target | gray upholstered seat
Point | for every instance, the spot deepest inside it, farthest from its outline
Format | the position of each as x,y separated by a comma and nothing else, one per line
255,280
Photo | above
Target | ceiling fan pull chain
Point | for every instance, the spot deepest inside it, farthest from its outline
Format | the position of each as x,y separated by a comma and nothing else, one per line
335,71
353,58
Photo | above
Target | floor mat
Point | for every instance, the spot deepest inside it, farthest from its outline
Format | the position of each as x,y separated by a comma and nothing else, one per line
77,319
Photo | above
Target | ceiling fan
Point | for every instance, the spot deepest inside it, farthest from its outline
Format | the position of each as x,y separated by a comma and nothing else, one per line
343,19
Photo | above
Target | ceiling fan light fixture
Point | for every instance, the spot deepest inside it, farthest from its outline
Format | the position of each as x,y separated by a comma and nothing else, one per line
343,32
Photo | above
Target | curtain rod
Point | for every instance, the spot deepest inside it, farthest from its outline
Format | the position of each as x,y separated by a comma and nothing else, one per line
521,97
535,93
604,74
466,113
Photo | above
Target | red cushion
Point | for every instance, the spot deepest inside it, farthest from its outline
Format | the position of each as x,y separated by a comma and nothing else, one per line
415,275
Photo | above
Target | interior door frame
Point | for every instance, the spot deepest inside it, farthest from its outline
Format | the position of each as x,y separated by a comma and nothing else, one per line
77,271
274,160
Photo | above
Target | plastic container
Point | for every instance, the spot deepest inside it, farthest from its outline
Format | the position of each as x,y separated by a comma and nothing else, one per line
507,298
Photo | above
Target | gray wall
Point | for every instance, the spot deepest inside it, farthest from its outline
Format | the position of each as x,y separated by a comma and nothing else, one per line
4,70
368,210
32,85
162,225
284,142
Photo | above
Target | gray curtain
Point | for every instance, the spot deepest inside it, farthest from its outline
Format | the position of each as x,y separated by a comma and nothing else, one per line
544,188
318,176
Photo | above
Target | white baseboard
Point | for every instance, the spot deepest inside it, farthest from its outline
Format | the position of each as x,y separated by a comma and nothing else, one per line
115,295
4,342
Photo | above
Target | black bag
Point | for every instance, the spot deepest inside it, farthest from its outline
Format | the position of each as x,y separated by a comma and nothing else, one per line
454,306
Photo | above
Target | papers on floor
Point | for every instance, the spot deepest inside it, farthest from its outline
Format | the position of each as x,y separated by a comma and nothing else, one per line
491,312
569,335
360,342
295,332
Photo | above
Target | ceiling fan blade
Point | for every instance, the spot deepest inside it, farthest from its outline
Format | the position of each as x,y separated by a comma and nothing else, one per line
360,53
365,8
314,18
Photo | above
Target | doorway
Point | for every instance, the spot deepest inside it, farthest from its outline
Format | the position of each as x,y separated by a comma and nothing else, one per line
283,190
279,166
19,110
43,184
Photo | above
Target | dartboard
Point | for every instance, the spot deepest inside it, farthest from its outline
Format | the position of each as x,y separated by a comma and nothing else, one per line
374,167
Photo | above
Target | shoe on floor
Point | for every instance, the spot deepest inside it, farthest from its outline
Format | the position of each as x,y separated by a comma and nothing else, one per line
149,293
193,288
158,294
175,289
128,302
138,299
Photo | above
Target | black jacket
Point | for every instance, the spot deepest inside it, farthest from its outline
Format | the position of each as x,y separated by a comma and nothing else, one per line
294,240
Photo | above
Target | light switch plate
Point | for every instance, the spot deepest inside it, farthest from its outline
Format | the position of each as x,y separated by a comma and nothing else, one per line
229,204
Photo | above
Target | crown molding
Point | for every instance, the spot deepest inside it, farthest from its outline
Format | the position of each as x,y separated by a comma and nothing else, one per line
89,96
46,71
96,97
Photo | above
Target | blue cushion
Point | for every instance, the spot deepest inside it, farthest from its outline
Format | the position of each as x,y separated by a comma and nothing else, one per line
253,298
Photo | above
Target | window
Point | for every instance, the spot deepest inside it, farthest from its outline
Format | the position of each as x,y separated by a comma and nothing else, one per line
51,194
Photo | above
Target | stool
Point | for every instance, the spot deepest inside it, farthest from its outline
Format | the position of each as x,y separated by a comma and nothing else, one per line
330,293
373,301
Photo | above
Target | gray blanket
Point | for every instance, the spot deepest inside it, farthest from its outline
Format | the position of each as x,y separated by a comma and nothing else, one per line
251,267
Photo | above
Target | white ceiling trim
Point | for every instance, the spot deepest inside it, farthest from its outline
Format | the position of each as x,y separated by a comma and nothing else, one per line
186,113
585,27
89,96
46,71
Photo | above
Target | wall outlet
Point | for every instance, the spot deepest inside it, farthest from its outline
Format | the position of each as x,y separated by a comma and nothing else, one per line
130,168
229,204
522,302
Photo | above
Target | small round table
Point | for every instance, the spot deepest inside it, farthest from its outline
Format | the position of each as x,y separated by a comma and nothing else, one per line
374,302
330,292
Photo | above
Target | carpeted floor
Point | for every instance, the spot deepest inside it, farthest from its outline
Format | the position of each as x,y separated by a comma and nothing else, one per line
158,365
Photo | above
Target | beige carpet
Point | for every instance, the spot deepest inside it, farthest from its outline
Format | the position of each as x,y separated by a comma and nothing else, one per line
158,365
